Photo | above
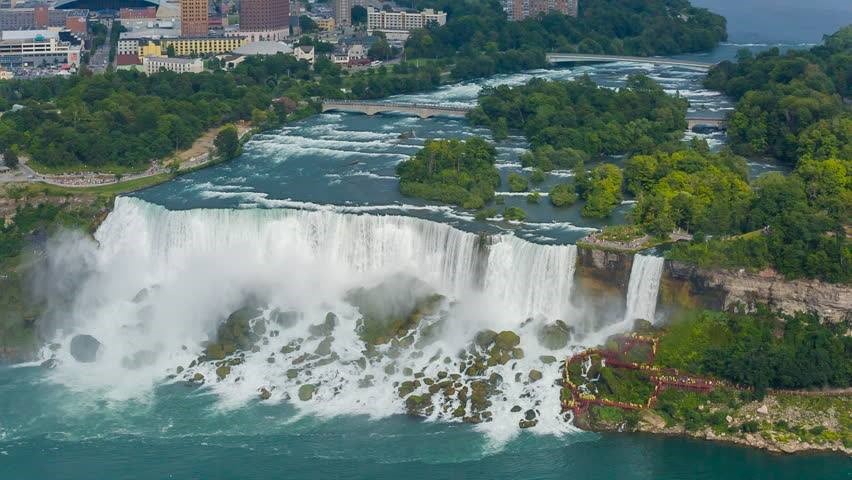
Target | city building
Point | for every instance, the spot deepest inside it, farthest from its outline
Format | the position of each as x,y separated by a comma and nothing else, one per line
152,65
185,47
150,49
397,25
137,13
343,12
265,19
349,54
521,9
305,52
38,17
229,62
193,18
263,48
39,48
324,23
127,62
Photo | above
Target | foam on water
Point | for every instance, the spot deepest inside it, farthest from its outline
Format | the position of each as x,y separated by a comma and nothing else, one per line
197,266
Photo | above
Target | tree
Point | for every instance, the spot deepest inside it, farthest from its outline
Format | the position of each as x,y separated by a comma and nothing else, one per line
170,51
307,25
10,158
359,15
517,183
514,214
563,195
381,50
227,142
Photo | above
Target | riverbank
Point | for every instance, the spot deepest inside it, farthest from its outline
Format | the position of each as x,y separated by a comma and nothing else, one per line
624,387
788,424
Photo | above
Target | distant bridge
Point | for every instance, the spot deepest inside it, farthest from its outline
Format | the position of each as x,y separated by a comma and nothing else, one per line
426,110
699,120
422,110
589,57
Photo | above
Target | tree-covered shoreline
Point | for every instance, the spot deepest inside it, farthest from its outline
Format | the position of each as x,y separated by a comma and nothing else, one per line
481,41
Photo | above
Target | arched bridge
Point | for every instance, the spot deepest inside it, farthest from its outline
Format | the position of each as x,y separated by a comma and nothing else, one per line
589,57
426,110
422,110
699,120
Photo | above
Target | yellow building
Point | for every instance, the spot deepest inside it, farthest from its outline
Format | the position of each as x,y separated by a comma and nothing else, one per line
185,47
323,23
150,50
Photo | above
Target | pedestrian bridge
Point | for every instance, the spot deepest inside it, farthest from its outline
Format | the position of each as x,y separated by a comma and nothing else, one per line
589,57
422,110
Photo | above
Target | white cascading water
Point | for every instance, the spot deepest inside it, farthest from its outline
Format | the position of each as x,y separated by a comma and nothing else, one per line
644,288
198,266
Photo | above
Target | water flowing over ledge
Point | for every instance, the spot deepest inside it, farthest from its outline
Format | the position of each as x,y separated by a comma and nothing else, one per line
159,283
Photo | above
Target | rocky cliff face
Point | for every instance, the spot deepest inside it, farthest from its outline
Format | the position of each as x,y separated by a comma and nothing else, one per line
604,275
688,285
609,266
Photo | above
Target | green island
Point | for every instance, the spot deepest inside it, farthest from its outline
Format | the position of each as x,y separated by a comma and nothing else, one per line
791,106
451,171
764,380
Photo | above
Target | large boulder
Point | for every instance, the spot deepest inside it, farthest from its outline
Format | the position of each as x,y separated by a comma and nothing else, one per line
306,392
507,340
84,348
392,308
485,338
555,336
325,328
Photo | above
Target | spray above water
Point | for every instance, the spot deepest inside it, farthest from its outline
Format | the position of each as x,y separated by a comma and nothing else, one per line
361,314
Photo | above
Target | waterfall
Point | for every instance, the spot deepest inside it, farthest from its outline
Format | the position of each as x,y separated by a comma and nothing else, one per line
531,279
644,288
159,283
538,277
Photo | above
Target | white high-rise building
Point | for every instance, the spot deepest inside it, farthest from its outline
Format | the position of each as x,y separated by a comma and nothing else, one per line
399,24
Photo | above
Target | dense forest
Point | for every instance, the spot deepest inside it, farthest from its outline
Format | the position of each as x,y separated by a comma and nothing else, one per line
760,350
482,42
565,117
791,106
793,223
451,171
567,123
64,121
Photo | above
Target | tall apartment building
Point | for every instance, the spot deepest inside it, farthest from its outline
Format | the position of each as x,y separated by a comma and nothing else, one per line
343,13
265,19
194,18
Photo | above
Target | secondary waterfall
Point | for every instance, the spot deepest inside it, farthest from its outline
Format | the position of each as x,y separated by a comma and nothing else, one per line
644,287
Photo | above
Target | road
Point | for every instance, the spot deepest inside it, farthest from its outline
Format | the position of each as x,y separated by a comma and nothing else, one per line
99,60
